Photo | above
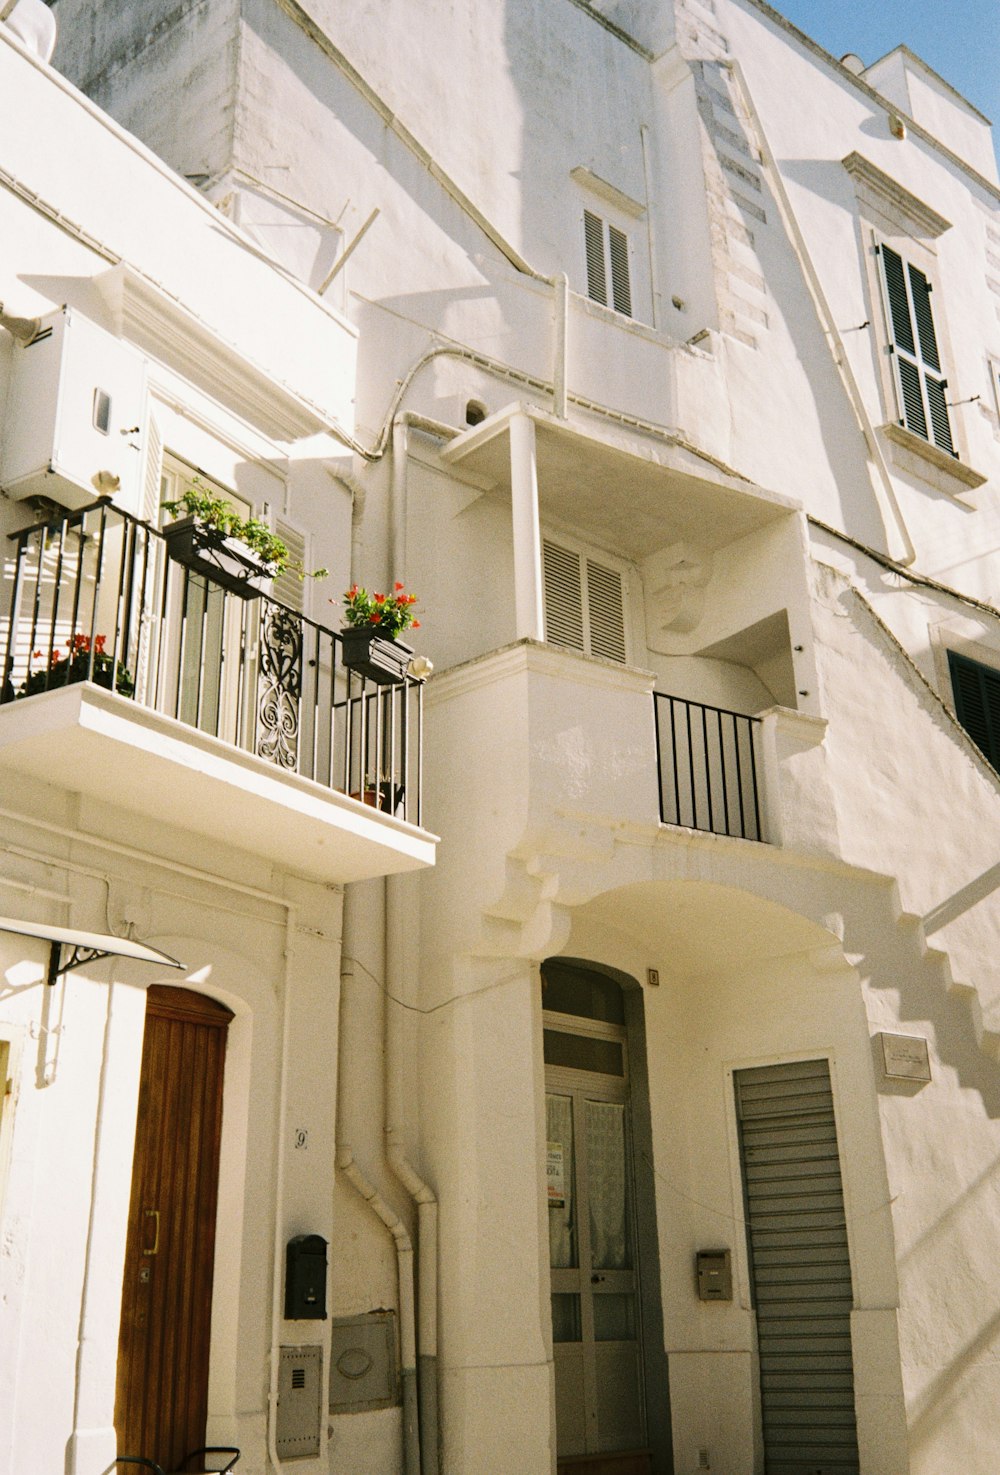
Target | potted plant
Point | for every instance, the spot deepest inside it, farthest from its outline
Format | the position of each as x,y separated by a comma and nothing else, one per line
370,642
84,660
240,553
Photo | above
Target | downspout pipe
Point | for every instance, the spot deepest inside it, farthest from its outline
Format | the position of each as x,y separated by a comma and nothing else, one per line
278,1264
407,1319
418,1190
345,1160
560,286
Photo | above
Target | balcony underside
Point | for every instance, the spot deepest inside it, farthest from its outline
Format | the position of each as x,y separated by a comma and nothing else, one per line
94,742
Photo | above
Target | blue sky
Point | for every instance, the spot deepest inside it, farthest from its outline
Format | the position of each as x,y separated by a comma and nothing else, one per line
960,39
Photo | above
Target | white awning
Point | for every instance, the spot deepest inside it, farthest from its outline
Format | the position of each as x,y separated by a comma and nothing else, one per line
85,947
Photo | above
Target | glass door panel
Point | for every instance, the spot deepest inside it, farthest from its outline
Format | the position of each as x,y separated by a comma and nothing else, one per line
594,1307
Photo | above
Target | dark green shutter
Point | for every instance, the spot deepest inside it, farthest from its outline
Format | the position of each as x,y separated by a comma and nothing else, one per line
915,347
977,703
800,1268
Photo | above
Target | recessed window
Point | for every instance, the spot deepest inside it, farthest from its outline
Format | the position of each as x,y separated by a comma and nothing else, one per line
607,253
584,602
976,690
475,412
920,383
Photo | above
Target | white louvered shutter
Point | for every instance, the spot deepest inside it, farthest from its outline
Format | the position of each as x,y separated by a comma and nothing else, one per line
563,596
151,481
605,612
607,260
584,603
288,587
593,238
919,380
621,291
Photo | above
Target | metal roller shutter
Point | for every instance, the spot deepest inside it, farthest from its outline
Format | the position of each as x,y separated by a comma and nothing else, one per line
800,1268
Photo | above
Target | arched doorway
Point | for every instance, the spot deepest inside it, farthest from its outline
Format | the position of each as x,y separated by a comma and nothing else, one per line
595,1240
164,1335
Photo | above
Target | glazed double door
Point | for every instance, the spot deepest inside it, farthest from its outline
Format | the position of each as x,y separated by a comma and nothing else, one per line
598,1371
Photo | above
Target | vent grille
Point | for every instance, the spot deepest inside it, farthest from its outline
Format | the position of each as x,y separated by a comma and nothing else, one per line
298,1377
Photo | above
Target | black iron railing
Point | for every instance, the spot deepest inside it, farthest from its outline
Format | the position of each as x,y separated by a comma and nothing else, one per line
94,596
708,767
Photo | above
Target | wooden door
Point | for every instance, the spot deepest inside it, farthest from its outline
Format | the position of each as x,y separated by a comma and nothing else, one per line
163,1344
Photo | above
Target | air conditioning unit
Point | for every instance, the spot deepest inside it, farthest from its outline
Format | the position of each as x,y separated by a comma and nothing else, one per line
75,416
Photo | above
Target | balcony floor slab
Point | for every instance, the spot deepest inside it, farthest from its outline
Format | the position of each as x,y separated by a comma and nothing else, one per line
94,742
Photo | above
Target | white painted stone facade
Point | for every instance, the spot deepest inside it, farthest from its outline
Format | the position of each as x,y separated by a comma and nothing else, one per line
394,204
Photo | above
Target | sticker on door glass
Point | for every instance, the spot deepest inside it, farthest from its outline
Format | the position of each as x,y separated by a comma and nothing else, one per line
555,1178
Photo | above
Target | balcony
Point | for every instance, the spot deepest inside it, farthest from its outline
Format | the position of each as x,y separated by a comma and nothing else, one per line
707,763
134,679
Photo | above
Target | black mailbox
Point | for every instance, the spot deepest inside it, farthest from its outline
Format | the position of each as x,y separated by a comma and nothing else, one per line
305,1278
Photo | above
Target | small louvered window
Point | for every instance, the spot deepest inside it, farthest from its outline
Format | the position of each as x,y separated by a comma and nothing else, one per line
977,703
920,382
584,604
607,260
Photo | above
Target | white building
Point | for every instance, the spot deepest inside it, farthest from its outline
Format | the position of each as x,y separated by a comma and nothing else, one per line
678,403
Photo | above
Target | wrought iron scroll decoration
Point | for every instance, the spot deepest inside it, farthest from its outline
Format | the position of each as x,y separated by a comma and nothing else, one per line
279,685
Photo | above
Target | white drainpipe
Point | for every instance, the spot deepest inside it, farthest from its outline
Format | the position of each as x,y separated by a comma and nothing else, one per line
528,606
560,286
420,1193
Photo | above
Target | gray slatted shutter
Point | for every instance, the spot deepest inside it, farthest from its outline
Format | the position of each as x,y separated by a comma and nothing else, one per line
584,603
593,239
915,351
621,291
800,1268
977,703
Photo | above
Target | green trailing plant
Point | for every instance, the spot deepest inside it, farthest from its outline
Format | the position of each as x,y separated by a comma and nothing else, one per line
84,660
388,614
219,514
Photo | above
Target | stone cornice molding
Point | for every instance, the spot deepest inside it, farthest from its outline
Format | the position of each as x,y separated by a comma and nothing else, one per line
920,217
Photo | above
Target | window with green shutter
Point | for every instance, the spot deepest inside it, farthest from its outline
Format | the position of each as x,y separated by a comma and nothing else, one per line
977,703
920,382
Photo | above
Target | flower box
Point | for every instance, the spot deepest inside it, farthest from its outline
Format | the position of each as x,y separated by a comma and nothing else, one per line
224,560
380,658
